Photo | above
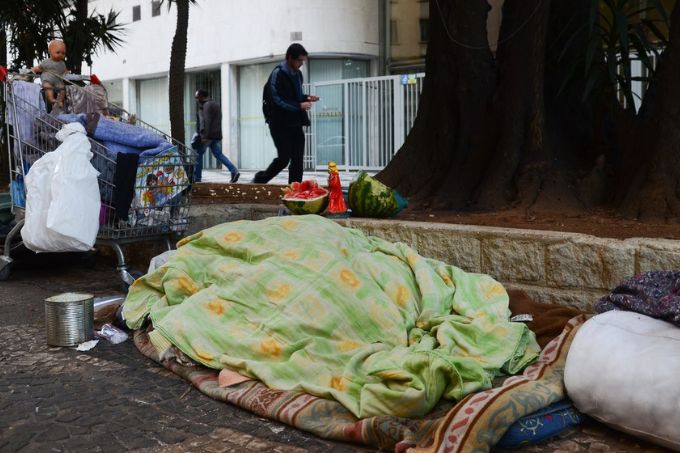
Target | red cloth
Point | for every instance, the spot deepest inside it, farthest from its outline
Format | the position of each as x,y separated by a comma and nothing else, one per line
95,80
3,73
336,202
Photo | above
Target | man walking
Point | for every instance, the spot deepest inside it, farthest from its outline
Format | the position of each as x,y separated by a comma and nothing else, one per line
287,115
210,135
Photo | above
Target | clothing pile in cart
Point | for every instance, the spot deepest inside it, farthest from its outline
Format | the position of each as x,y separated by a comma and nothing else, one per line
147,171
142,174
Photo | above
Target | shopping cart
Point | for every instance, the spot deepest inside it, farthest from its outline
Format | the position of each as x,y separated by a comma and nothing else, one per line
142,199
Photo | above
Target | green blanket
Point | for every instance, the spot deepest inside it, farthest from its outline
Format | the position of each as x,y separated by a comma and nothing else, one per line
304,304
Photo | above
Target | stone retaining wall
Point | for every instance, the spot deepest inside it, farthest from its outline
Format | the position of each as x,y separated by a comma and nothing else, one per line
564,268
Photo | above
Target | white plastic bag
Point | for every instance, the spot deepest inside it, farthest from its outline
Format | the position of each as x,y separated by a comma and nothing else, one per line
62,197
111,333
622,369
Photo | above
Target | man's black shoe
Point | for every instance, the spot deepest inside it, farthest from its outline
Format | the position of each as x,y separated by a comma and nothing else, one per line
259,179
235,177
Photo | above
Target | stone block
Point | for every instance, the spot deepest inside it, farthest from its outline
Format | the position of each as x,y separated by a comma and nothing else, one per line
581,299
509,260
388,230
589,263
463,251
537,293
658,255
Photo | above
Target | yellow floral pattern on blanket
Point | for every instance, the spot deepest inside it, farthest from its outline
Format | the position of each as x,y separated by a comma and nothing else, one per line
307,305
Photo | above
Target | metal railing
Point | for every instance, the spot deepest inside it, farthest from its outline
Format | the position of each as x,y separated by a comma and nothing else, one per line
361,123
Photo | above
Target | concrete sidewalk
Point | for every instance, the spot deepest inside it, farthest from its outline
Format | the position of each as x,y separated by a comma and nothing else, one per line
223,176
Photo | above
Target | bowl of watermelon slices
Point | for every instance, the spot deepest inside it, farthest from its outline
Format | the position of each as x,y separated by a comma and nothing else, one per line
305,197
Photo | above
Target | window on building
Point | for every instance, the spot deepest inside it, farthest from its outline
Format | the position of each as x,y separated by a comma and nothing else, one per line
411,20
424,30
330,128
136,13
155,8
153,103
256,148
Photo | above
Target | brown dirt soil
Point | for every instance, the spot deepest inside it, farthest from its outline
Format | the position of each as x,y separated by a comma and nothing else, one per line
596,223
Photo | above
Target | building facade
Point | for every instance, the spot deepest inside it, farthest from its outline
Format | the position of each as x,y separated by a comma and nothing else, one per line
232,47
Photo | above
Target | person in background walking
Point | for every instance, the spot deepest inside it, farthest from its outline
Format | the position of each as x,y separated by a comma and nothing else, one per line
285,107
210,135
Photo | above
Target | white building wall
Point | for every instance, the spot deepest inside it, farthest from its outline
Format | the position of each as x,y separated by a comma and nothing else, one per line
229,31
224,34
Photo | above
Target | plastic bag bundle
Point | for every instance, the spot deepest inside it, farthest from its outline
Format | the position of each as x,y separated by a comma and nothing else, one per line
111,333
62,196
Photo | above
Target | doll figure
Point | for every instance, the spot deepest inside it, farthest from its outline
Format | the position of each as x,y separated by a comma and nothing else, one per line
336,201
51,71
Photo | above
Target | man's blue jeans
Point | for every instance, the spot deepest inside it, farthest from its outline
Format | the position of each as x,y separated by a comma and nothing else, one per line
216,149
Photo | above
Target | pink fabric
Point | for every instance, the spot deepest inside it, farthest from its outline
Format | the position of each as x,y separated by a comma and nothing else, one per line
227,378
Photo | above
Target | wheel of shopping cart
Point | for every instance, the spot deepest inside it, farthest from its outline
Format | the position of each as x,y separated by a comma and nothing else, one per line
5,271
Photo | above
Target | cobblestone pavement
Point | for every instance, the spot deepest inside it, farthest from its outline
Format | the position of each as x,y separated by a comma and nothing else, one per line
114,399
110,398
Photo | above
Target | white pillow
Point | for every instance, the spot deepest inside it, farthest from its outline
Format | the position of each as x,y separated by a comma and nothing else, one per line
623,369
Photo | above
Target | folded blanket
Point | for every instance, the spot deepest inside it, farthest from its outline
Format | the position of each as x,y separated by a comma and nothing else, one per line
106,130
548,320
474,424
304,304
480,421
119,137
115,148
157,150
72,118
655,294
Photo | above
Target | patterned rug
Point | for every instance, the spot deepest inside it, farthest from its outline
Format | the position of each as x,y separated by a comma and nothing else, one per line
476,423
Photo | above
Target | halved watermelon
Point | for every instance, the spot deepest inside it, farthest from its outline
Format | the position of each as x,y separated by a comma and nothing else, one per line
305,197
368,197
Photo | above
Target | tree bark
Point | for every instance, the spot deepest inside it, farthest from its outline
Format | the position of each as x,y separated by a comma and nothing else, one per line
654,191
520,107
3,45
178,55
75,56
493,133
447,133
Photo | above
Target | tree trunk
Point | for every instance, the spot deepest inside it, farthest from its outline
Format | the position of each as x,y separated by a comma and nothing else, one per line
3,46
492,133
654,191
447,133
178,55
75,55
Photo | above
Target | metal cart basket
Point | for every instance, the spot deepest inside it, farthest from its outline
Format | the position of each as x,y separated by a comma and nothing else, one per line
143,196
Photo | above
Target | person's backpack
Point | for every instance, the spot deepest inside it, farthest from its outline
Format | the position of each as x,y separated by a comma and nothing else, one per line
268,105
267,101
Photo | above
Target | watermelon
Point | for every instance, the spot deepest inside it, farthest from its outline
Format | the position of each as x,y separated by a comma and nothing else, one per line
368,197
305,197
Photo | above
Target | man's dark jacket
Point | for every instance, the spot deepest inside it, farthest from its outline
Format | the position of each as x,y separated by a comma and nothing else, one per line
210,120
286,91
